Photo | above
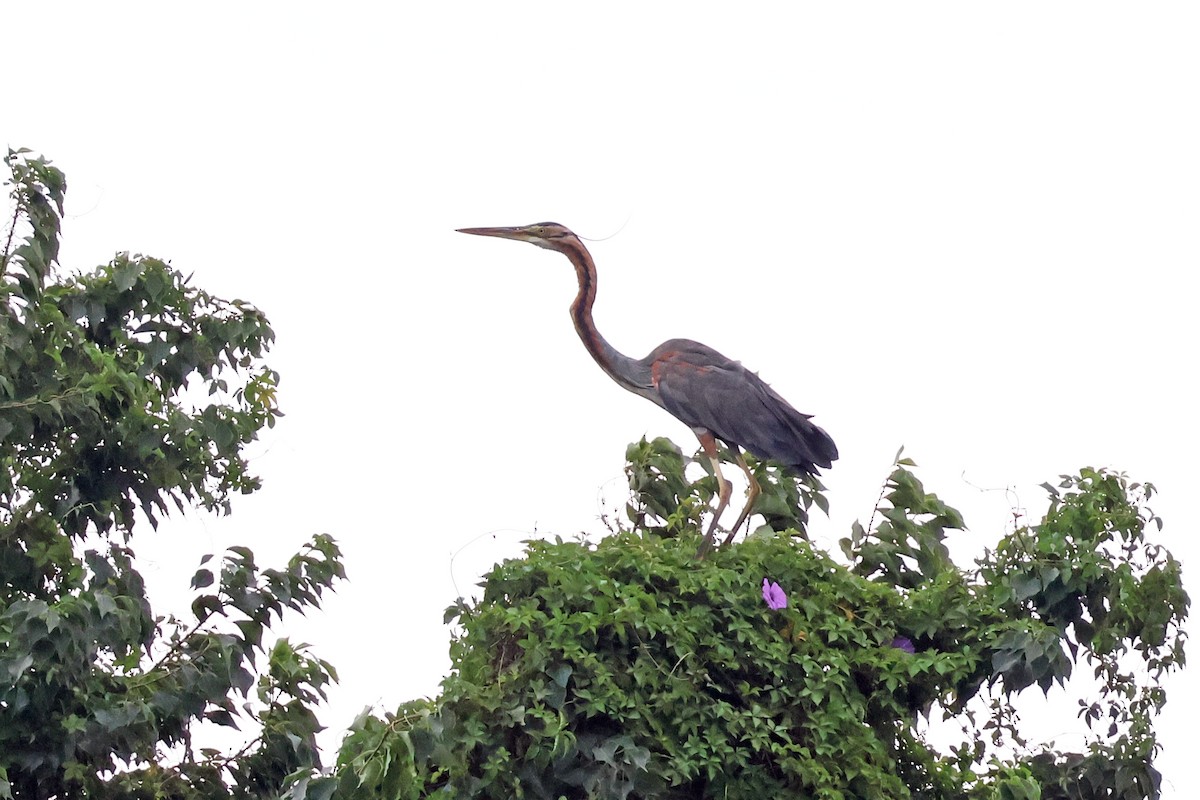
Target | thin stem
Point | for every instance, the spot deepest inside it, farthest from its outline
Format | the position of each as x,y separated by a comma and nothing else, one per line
12,230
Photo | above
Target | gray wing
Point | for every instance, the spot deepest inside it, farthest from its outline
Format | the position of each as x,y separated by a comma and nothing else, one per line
704,389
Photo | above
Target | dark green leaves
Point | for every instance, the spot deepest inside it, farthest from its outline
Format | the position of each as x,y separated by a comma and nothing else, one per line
38,190
663,500
623,669
906,548
93,394
626,669
128,392
93,368
1029,654
659,489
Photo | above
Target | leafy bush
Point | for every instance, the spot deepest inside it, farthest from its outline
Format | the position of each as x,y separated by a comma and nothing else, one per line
628,669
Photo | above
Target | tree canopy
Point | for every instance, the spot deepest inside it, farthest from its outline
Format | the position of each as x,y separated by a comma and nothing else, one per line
124,393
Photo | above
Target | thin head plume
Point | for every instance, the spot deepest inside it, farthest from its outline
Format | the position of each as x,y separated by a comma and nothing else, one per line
612,235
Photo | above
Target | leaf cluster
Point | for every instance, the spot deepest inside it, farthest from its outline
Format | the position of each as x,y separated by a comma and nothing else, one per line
664,502
907,548
97,421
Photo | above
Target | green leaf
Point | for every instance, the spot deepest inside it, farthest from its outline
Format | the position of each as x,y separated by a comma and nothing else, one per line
560,673
206,605
1025,586
202,578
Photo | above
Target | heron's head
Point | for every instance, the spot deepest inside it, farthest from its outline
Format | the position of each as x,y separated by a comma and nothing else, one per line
549,235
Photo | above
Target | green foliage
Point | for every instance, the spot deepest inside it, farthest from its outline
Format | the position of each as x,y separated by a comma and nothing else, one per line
664,502
619,670
628,669
376,758
906,549
123,393
623,669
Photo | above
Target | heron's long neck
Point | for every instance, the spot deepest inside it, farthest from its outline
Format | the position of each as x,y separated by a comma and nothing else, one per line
628,372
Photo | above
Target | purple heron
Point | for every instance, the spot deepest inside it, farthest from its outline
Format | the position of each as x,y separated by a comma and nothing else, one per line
716,397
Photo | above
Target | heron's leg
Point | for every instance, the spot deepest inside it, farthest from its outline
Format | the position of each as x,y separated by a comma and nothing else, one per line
751,495
708,444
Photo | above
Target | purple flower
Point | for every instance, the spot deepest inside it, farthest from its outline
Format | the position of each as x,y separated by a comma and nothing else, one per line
774,596
903,643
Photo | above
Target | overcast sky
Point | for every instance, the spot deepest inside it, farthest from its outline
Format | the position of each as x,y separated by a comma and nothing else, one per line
967,229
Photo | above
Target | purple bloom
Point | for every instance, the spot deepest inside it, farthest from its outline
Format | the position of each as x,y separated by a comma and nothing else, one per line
774,596
903,643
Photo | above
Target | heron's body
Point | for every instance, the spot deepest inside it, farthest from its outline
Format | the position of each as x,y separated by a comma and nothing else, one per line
736,406
715,396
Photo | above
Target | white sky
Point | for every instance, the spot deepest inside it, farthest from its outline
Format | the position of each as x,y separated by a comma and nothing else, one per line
969,229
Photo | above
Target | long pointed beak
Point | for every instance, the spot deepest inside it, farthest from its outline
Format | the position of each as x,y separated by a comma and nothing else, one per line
503,233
